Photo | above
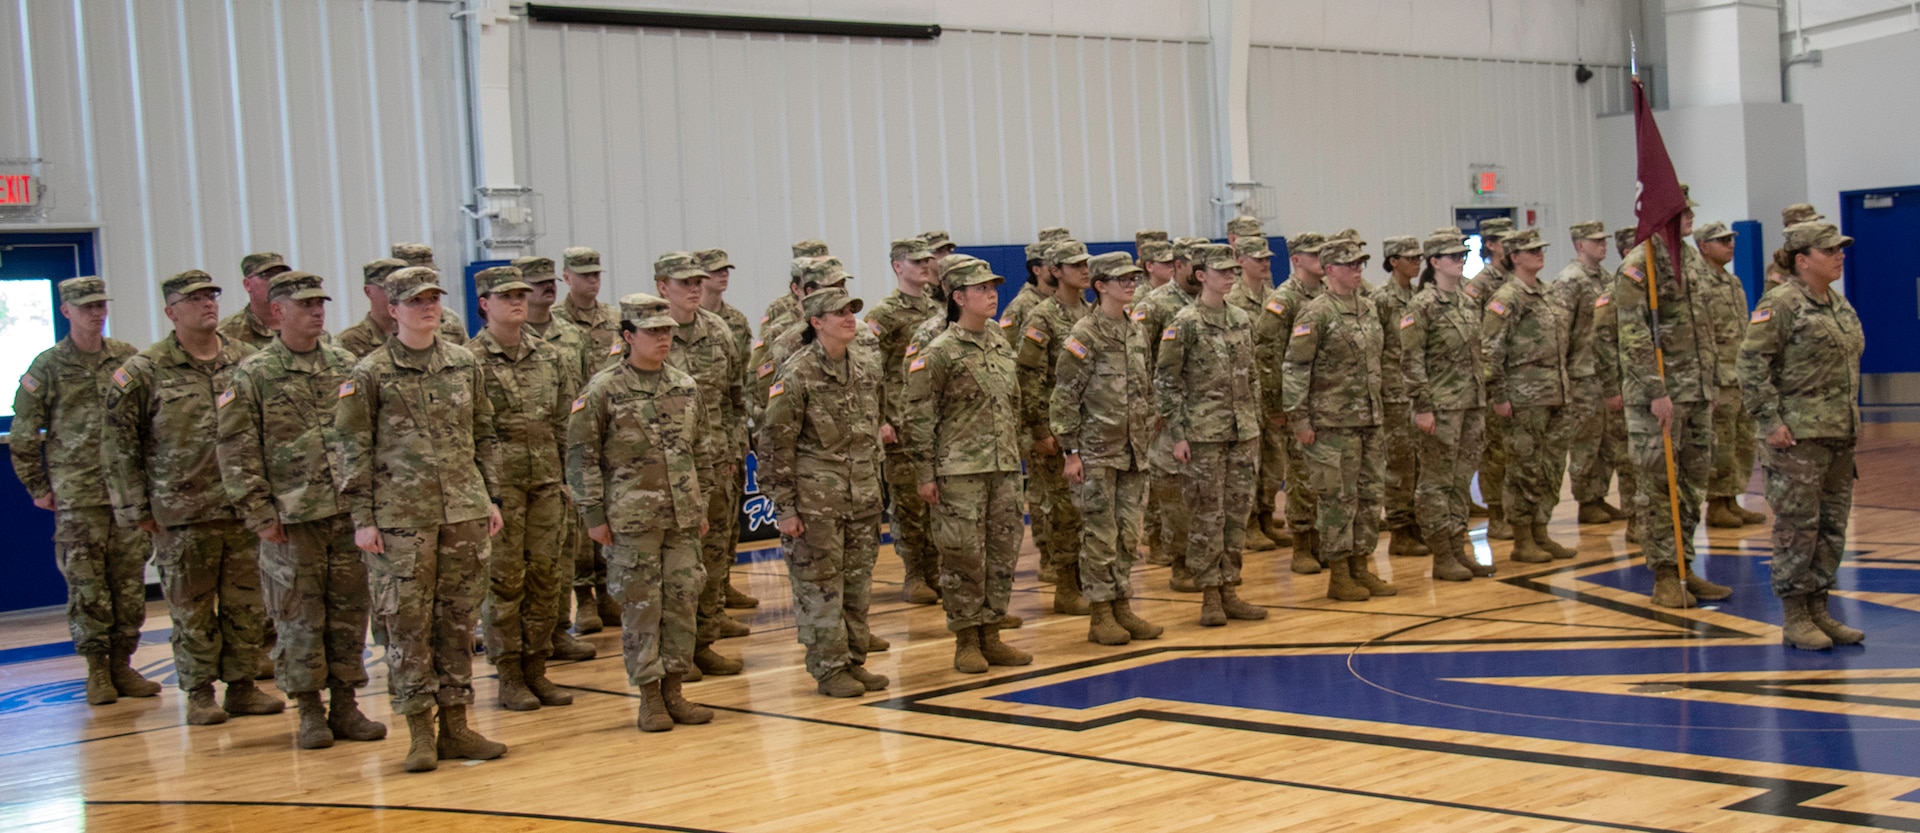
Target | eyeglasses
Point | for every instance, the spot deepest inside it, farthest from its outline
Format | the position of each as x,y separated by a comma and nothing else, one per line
1124,280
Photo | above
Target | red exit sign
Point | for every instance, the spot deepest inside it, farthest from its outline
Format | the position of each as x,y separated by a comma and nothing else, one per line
18,189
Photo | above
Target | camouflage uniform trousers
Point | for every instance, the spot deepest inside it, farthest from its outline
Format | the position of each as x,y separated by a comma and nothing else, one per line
912,522
1303,502
1039,522
1448,458
1047,489
1537,457
831,570
1596,445
1733,445
1111,503
656,577
976,526
211,574
1403,463
1168,517
315,586
105,565
1218,485
523,573
1493,461
427,588
718,549
1347,467
1692,464
1273,467
1810,487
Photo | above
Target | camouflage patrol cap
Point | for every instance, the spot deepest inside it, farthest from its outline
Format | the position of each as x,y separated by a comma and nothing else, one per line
645,312
936,239
1404,246
534,269
1798,213
415,254
1245,225
1715,230
1306,243
910,248
1215,256
1183,246
1054,234
1348,234
1444,242
1112,265
186,283
85,289
810,248
1067,251
823,272
1453,230
830,299
1589,230
971,272
712,260
1141,237
296,286
411,281
499,279
1495,228
947,263
581,260
1816,235
376,271
1037,250
1341,251
1687,191
259,262
1252,245
1156,251
1623,238
1525,241
680,266
795,266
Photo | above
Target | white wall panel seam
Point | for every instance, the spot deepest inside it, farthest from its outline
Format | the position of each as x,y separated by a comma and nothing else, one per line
291,247
333,145
192,143
31,116
947,30
973,145
940,113
424,231
1000,135
239,131
378,146
853,160
1027,131
83,77
145,206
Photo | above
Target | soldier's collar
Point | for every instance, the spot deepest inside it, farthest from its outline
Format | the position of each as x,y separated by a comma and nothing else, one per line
436,355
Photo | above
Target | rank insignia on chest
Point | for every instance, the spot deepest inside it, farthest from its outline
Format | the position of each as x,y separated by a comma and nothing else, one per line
613,349
225,397
918,365
1074,346
1761,316
1497,308
1034,335
764,371
874,326
777,389
121,378
27,381
1406,321
1303,329
346,389
1602,301
1276,308
578,403
1139,315
1169,334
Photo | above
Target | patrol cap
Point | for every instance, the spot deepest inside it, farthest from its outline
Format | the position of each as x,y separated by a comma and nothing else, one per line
1141,237
1404,246
971,272
1342,252
680,266
581,260
260,262
1589,230
644,311
1067,251
946,263
1798,213
1306,243
413,280
186,283
296,286
1348,234
85,289
1453,230
1715,230
713,260
1687,191
1623,238
415,254
823,272
810,248
936,239
1444,242
1215,256
830,299
1112,265
1495,228
498,279
1245,225
376,271
1815,235
1525,241
534,269
1183,246
1038,250
1252,245
1156,251
1055,234
910,248
794,266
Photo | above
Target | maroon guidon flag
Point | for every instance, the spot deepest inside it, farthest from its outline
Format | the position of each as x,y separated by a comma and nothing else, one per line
1658,201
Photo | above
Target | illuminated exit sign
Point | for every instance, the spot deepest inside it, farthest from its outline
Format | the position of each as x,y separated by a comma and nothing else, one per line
18,189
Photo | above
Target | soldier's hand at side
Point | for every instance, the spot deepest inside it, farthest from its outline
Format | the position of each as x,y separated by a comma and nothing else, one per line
887,435
274,533
1663,412
1277,420
45,502
602,535
1504,409
704,526
930,492
1304,435
1616,403
1182,451
494,521
367,538
150,526
1424,422
1047,447
1781,438
1075,471
792,527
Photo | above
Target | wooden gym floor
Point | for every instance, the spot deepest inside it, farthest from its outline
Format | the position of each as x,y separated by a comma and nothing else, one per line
1546,698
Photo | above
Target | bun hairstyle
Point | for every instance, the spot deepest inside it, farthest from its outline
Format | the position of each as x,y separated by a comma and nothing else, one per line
1783,260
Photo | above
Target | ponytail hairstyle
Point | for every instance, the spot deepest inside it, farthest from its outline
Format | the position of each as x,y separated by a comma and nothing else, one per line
807,334
1783,260
1506,261
953,307
1426,274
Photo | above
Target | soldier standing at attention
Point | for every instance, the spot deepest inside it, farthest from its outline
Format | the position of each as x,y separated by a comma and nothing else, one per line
785,310
637,463
166,480
821,439
600,321
1102,412
1524,336
893,321
416,411
1156,256
1493,461
1166,524
1038,349
1333,405
1800,376
1140,240
1250,250
530,384
254,325
1733,439
1209,399
713,299
1577,289
576,551
1441,366
377,326
1402,256
58,449
451,330
275,426
963,438
1606,365
1272,330
1790,216
1256,273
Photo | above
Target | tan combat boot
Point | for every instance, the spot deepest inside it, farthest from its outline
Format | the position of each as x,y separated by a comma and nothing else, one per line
1212,615
1000,653
1668,590
1256,539
244,698
1407,542
1705,590
1498,527
345,720
126,680
569,649
1362,568
1137,627
1745,514
737,600
1102,629
1276,531
313,732
1833,628
1010,622
1066,594
608,606
1551,547
534,672
967,658
1468,558
1341,585
840,684
422,753
458,741
877,644
514,695
1446,559
587,619
1720,514
1306,554
917,591
1525,550
201,709
653,710
868,679
100,690
729,627
679,708
1238,608
1180,579
1594,512
712,662
1799,630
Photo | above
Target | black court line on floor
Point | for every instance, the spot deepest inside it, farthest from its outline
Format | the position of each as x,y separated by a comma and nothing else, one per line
402,808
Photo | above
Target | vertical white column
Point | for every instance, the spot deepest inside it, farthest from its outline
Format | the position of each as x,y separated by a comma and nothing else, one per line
1229,25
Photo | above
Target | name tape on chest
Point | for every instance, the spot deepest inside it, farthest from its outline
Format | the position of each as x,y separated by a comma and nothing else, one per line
1761,316
1406,321
224,399
1074,346
346,389
27,381
1498,308
778,388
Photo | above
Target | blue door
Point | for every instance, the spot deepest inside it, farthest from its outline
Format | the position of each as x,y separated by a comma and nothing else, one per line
1883,283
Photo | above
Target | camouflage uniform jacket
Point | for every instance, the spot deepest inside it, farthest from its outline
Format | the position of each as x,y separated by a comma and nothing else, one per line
1040,342
1487,282
1205,379
1606,342
1727,317
63,394
894,321
1272,331
742,332
531,387
1575,290
1332,374
575,349
1102,402
1014,317
1440,359
1524,335
637,454
962,406
415,438
276,435
820,442
601,326
246,328
163,432
865,349
1686,336
1799,363
1391,302
782,312
1247,298
451,330
1152,312
361,338
704,349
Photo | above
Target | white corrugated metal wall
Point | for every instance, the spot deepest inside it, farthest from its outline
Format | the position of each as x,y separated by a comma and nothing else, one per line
642,141
192,132
1383,142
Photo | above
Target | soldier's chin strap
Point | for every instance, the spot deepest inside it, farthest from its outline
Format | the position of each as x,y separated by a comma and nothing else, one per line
1666,431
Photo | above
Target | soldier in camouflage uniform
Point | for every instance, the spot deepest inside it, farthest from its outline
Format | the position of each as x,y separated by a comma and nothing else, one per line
1244,225
1102,412
1256,273
1402,256
58,450
1251,251
1799,372
1606,364
1160,267
275,427
785,310
1048,494
1167,524
1577,289
1790,216
1208,395
893,322
1733,440
254,325
638,461
419,468
1493,460
373,330
1442,372
600,321
1272,332
1332,381
939,243
712,299
530,384
451,330
821,445
963,441
1141,238
576,550
1524,336
166,480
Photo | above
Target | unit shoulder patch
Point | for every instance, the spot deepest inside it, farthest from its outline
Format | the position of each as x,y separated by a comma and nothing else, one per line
1074,346
31,384
1277,307
1761,316
347,389
1169,334
1497,308
1406,321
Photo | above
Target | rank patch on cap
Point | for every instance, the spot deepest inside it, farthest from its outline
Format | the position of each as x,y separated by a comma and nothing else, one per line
764,371
918,365
1406,321
225,397
346,389
1761,316
777,389
1303,329
1168,334
1602,301
1074,346
578,403
121,378
1497,308
27,381
1276,308
1034,335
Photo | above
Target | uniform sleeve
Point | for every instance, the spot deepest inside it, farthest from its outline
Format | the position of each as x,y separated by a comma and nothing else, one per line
129,413
1606,346
736,397
1410,332
892,380
1170,380
706,452
1270,328
356,408
1070,376
1639,368
1392,386
779,433
32,403
1296,375
586,447
764,369
486,440
926,377
565,391
1036,341
1759,364
1494,330
243,468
